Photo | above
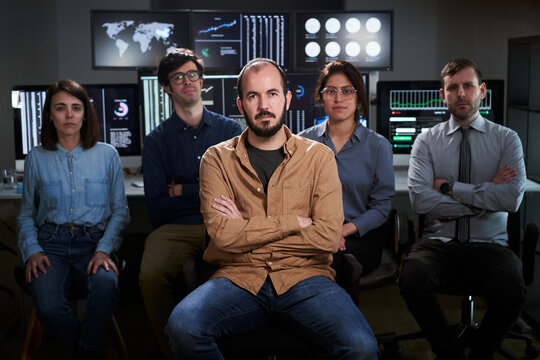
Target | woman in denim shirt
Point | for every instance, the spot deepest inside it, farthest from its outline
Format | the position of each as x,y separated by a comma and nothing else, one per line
73,213
364,160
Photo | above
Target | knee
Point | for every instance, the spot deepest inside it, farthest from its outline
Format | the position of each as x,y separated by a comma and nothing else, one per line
363,345
183,326
415,277
104,282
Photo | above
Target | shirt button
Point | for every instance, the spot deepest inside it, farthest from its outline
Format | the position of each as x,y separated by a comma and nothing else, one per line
198,157
71,173
72,190
269,263
258,189
71,209
194,136
68,154
73,228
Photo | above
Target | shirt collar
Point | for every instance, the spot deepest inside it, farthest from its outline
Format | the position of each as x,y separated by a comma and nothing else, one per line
289,147
75,153
207,119
358,134
478,124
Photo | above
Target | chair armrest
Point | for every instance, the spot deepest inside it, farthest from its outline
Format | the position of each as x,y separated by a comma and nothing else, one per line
349,279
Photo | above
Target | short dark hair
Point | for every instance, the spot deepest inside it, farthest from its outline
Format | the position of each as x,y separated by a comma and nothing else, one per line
257,64
354,76
456,65
89,129
173,60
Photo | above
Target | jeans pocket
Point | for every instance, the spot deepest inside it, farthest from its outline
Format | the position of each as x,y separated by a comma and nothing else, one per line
94,234
47,233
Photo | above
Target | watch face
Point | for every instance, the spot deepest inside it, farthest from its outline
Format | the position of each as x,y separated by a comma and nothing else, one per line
445,188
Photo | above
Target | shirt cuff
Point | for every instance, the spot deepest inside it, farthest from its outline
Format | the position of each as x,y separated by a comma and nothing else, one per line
31,250
289,224
463,192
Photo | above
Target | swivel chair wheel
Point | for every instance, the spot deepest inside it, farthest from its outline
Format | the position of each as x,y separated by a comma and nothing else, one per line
532,351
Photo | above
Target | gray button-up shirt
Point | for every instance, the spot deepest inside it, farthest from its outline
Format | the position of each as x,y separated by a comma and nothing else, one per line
435,154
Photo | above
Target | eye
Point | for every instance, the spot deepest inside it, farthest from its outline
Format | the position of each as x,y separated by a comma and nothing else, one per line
178,76
347,91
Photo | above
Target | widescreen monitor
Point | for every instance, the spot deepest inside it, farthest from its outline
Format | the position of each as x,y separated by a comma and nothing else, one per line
228,40
362,38
117,110
134,39
407,108
304,112
218,95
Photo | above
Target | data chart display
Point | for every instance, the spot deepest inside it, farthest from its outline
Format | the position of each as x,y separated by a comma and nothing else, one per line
228,40
408,108
362,38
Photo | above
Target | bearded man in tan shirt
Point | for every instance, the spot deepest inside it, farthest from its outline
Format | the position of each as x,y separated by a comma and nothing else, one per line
272,206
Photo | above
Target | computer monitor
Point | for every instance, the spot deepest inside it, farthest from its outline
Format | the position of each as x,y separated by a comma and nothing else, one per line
407,108
304,112
362,38
117,110
218,95
134,39
228,40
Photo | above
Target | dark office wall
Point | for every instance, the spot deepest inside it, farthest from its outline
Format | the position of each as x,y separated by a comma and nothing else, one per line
44,40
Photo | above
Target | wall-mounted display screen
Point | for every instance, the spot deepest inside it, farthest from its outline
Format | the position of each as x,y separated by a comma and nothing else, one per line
407,108
218,95
117,110
137,38
228,40
362,38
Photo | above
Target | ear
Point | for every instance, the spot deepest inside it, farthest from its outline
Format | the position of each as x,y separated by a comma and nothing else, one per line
288,98
239,104
483,89
443,98
167,88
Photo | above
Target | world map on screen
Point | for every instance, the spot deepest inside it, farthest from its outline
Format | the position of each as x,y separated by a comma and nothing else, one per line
129,33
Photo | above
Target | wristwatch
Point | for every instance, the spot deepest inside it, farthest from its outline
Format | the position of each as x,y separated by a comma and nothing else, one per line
445,188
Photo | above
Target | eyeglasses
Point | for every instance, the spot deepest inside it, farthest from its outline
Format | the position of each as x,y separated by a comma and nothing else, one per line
179,78
330,92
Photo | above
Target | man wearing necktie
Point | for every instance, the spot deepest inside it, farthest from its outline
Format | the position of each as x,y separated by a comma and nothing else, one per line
465,175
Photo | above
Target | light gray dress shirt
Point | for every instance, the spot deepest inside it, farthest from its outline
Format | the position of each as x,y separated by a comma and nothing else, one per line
435,154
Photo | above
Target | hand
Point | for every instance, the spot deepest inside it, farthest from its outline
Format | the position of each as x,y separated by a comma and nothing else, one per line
175,190
101,259
348,229
437,184
342,246
304,221
35,262
505,175
227,208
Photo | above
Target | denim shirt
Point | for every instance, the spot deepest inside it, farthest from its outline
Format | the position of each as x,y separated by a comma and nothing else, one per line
81,187
366,173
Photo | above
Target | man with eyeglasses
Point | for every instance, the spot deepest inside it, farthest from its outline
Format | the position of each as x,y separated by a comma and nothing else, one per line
171,159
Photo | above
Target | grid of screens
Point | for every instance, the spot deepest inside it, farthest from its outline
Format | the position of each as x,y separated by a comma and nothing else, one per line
407,108
228,40
137,39
117,110
304,112
218,95
362,38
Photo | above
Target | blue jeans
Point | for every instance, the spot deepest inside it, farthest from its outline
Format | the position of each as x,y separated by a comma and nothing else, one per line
317,308
69,250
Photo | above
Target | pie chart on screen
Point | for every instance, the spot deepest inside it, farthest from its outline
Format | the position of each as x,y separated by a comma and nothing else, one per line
121,110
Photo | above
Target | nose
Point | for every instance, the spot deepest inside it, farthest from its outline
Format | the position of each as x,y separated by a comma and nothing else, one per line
69,113
461,91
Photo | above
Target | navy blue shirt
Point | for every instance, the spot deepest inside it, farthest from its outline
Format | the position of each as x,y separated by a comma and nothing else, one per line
172,154
366,173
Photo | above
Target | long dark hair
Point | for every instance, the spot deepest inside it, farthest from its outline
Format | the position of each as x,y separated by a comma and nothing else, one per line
354,76
89,129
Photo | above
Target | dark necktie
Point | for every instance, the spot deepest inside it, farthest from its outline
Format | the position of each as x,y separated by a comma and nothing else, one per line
462,224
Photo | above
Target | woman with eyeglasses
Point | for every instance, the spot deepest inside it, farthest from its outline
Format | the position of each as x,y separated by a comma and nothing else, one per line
73,212
364,160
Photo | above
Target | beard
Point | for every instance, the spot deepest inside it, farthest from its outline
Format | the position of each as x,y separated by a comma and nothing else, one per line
265,130
463,115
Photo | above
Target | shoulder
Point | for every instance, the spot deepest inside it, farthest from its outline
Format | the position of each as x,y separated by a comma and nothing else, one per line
311,147
104,148
219,120
373,137
222,149
313,132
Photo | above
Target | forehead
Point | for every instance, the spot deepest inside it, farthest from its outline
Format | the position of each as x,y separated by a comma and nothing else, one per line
64,98
466,75
262,79
337,80
190,65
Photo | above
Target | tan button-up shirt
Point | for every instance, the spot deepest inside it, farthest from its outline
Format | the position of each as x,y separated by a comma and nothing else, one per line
269,240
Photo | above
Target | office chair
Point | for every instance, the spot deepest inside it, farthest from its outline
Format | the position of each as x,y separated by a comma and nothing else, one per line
467,327
34,333
272,340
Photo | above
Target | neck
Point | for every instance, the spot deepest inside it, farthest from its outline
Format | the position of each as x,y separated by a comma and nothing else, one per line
466,122
191,115
340,129
70,142
267,143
